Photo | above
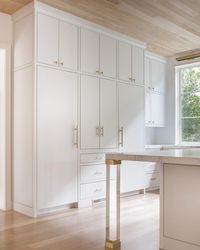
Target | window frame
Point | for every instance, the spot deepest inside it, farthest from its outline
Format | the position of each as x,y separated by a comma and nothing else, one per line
178,125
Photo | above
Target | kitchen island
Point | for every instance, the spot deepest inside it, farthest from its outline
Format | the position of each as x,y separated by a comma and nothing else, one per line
179,197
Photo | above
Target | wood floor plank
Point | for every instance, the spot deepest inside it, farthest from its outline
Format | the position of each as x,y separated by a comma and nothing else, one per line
83,229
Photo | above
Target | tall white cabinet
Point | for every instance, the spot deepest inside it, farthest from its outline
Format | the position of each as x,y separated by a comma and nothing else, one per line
78,93
56,149
45,158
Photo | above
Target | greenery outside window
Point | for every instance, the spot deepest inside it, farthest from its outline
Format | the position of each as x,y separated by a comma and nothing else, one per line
189,104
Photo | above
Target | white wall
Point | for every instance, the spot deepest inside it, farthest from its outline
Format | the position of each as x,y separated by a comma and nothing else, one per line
5,120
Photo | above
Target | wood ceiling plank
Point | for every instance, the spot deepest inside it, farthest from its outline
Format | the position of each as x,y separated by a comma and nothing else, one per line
167,26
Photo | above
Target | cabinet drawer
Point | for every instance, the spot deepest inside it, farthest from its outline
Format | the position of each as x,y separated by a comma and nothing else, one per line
93,172
152,167
152,180
87,158
95,190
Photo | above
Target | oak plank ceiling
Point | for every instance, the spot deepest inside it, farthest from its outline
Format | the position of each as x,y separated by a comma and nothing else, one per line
167,26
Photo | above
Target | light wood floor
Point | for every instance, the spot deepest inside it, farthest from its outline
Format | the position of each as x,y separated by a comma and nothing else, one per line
84,229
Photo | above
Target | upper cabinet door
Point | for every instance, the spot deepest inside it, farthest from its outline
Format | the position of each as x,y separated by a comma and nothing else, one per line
89,51
68,53
157,110
147,72
124,63
148,121
158,72
48,39
89,112
108,56
138,65
108,114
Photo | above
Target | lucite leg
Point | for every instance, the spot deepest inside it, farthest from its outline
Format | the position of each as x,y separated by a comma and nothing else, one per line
113,204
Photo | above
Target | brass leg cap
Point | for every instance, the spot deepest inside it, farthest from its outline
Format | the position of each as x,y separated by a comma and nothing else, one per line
113,244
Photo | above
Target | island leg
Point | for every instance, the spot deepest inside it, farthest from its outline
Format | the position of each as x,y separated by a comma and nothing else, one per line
113,205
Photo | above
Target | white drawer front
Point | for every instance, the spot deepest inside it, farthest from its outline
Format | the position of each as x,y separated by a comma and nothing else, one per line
152,180
152,167
93,172
87,158
95,190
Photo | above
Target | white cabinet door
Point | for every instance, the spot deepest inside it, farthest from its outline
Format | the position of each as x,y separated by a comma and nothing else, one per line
131,119
131,116
108,114
157,109
89,51
138,65
158,72
124,63
89,112
68,49
48,39
148,121
108,56
147,72
56,154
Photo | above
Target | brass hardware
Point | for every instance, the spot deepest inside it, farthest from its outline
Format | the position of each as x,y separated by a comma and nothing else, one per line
188,57
112,162
56,62
61,63
101,72
133,79
97,71
98,131
121,137
76,137
101,131
130,78
113,244
153,88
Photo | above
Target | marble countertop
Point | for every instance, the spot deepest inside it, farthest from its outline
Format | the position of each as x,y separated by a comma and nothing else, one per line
175,156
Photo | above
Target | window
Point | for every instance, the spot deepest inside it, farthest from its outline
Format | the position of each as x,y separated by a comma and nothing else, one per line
188,107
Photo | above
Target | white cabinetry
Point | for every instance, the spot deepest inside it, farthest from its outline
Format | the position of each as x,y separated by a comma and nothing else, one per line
65,92
98,113
57,42
95,49
56,153
155,81
131,137
130,64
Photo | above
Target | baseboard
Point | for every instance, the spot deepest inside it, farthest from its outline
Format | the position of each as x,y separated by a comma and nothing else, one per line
48,211
23,209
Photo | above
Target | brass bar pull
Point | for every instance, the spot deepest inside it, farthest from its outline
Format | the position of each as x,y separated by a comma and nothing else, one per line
97,131
76,136
121,137
101,131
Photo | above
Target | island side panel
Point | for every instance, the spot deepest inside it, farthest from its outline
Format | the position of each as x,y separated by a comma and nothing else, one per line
181,207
